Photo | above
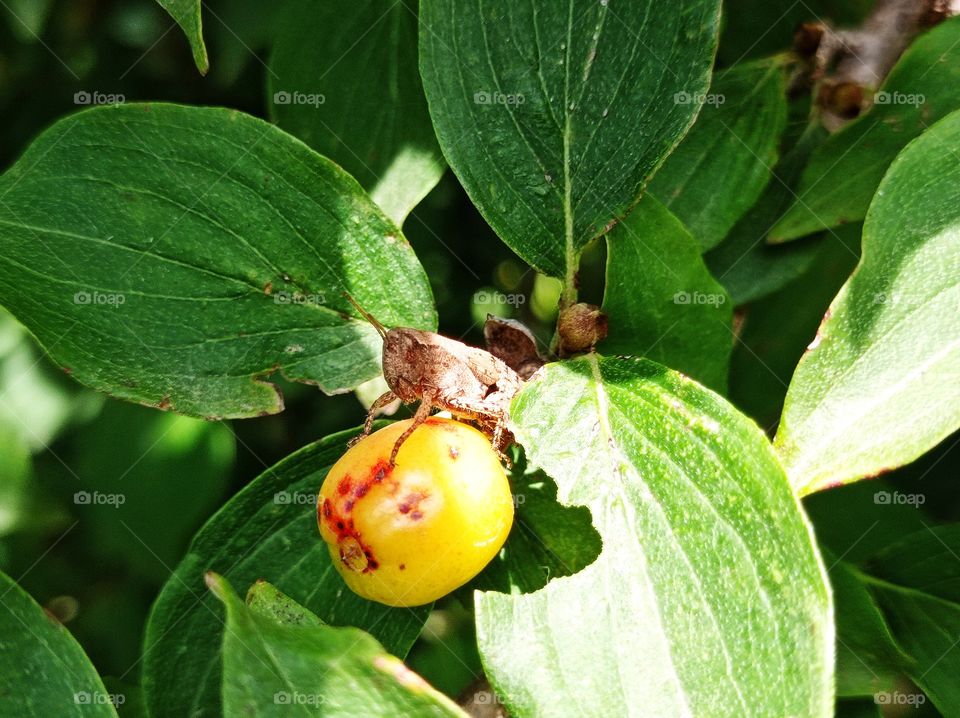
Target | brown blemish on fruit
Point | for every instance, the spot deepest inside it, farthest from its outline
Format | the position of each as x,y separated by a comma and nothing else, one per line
410,506
164,403
353,552
403,566
268,288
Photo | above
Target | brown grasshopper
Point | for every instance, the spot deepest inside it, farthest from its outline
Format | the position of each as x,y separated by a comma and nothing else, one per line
446,374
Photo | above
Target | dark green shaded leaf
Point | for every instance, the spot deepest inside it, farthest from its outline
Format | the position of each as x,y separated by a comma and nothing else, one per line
774,332
268,531
174,256
868,658
547,540
661,301
879,385
720,169
744,263
269,667
708,583
357,62
554,116
840,180
43,670
187,15
752,28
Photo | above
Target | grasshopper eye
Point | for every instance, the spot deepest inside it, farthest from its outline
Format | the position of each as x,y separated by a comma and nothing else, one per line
407,534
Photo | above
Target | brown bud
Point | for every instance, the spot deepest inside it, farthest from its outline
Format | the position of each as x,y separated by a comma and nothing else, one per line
844,99
581,327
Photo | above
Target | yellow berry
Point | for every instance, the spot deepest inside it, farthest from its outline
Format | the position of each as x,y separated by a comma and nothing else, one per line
408,534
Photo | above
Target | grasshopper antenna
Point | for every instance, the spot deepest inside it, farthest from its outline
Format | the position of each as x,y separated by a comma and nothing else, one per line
381,330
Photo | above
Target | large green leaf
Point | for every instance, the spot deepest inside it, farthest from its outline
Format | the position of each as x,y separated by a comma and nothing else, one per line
43,670
344,79
273,668
188,17
268,531
844,172
720,169
181,254
661,301
554,115
880,384
708,583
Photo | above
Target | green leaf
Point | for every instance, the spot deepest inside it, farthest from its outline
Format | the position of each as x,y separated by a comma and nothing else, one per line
554,116
189,252
268,531
840,180
344,79
187,15
720,169
269,667
744,263
918,583
267,600
774,333
661,301
868,658
708,583
879,385
43,670
547,540
142,498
